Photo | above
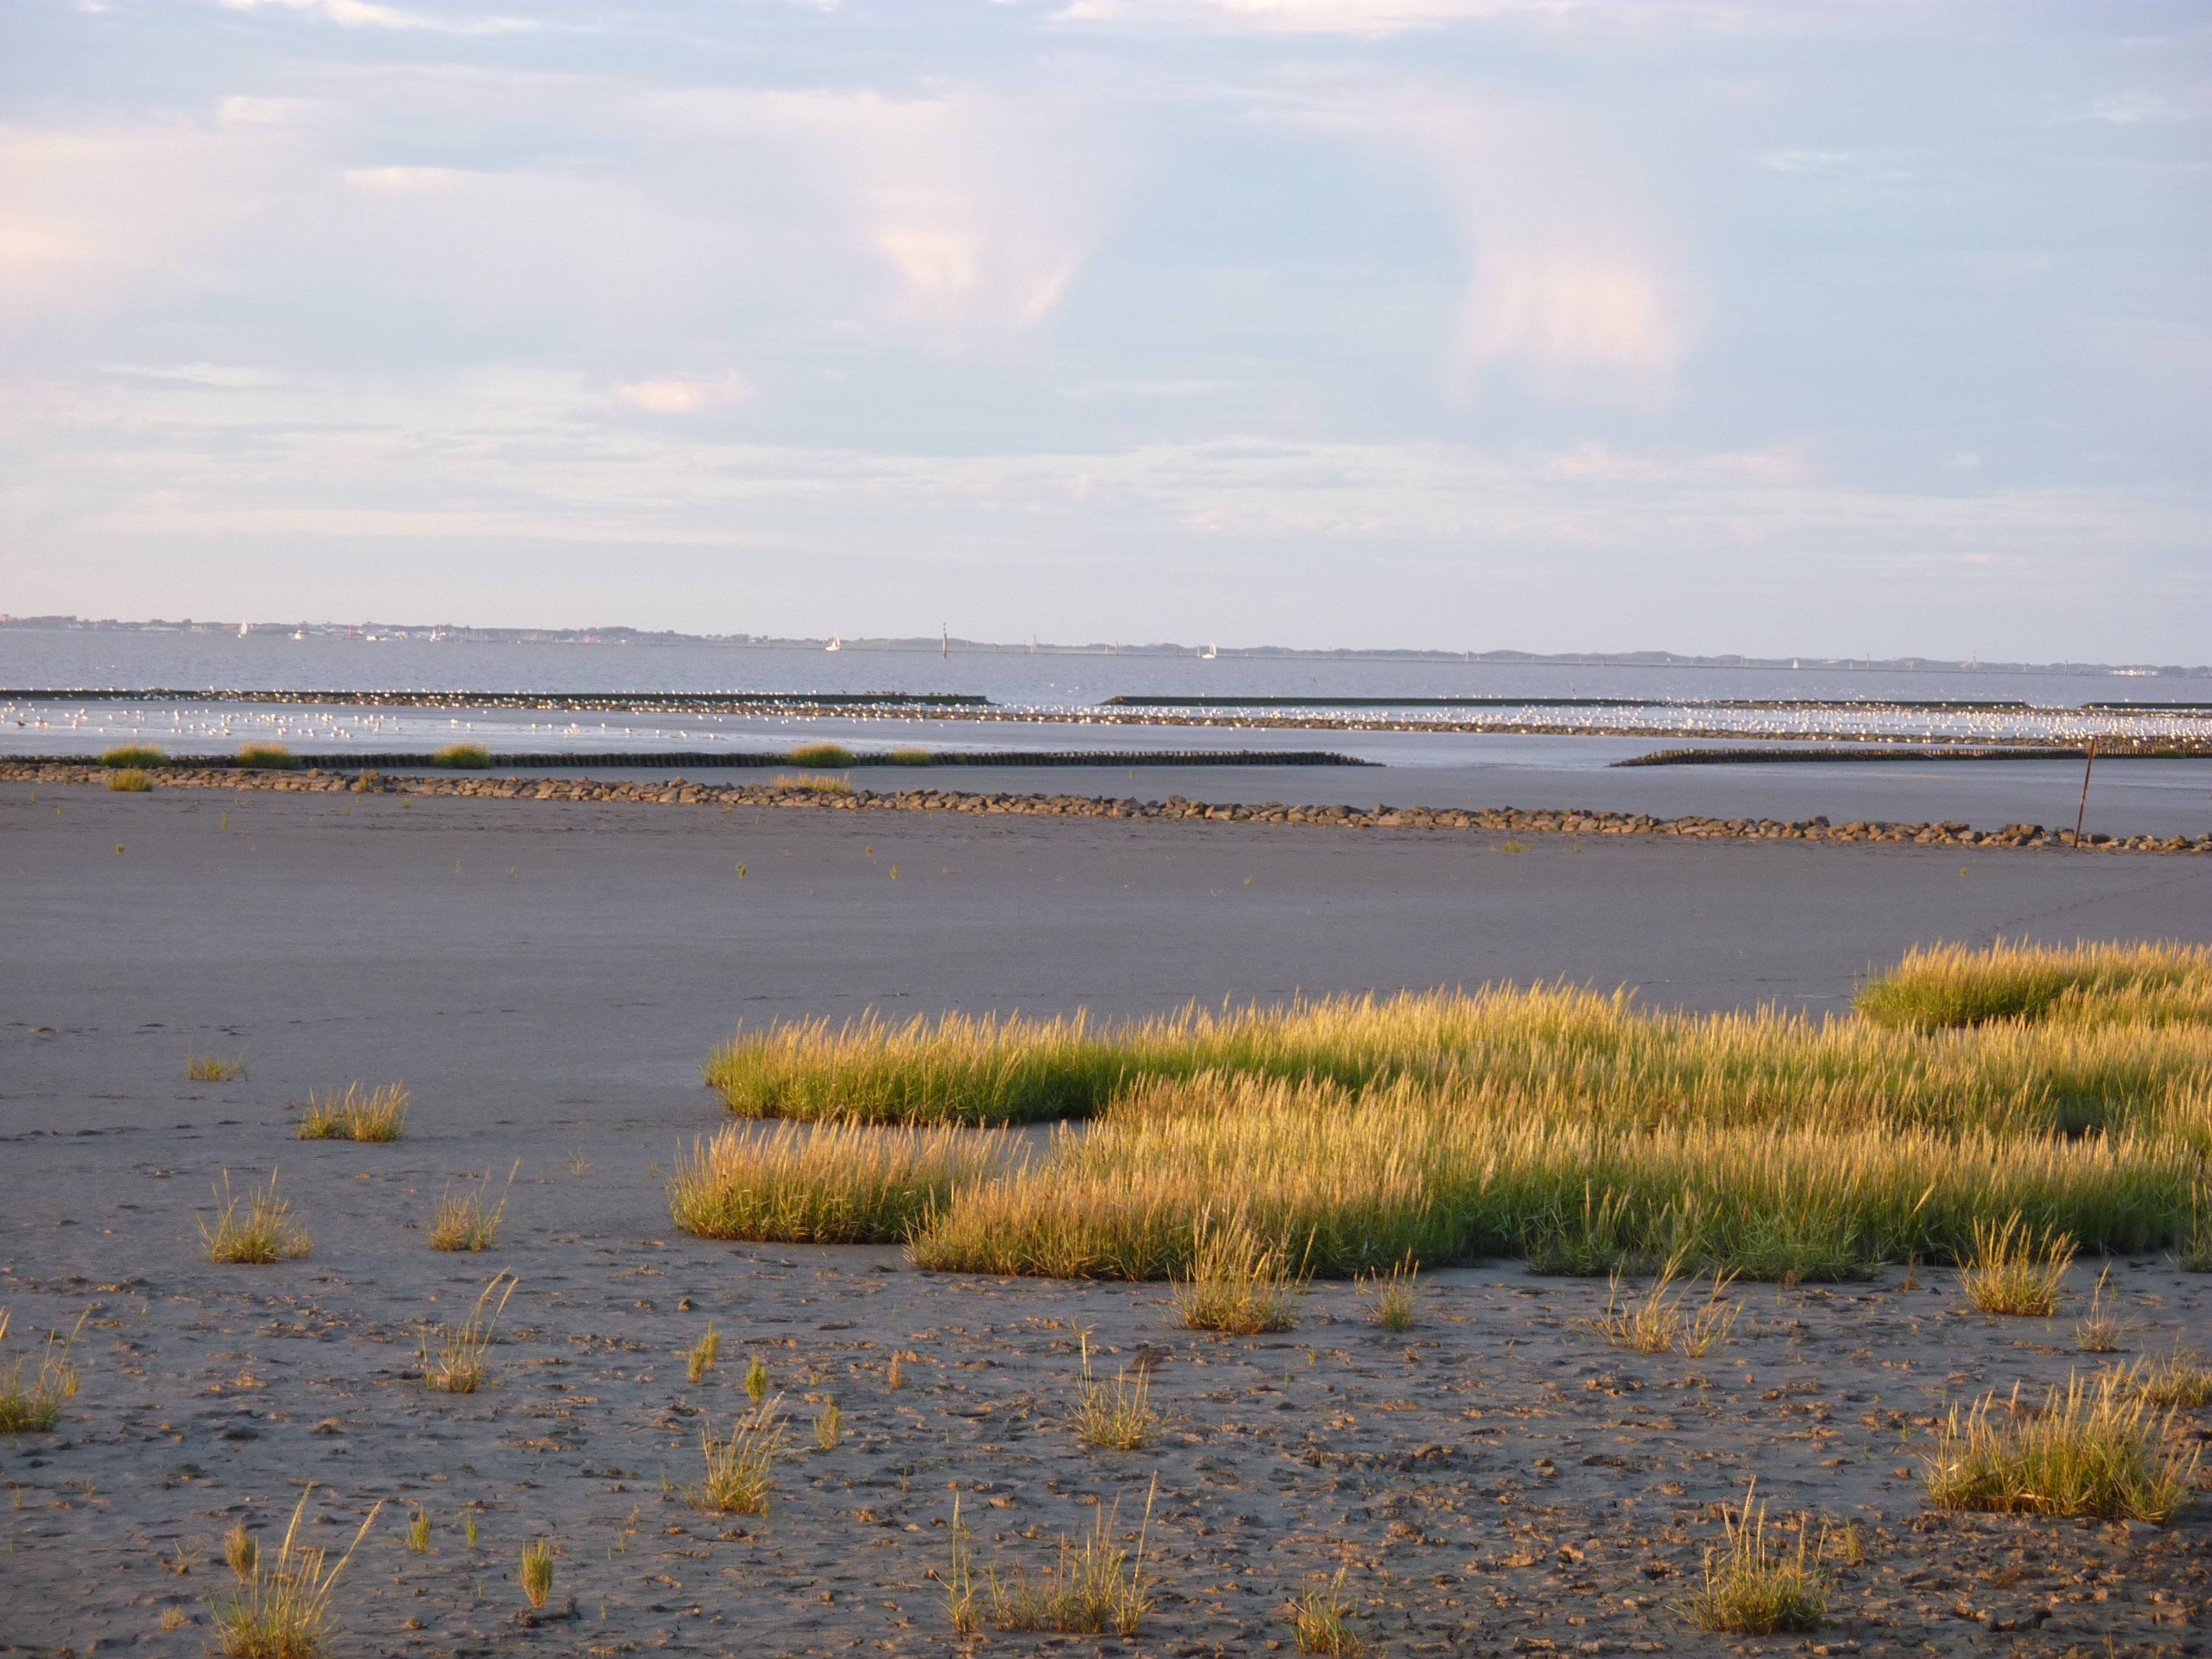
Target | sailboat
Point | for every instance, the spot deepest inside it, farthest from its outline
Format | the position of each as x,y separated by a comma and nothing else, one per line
944,641
1208,654
835,644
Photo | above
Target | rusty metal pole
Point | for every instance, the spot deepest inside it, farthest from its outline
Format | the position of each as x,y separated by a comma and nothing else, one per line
2089,767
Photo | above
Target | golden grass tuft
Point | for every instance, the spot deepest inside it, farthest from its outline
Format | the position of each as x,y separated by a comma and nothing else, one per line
1321,1621
457,1358
130,781
820,754
2100,1450
133,757
537,1573
1955,985
268,757
466,1223
282,1603
2181,1380
1239,1280
1659,1321
360,1114
1117,1416
2013,1270
214,1068
1753,1588
463,758
755,1381
240,1550
831,1184
35,1406
740,1466
2100,1330
256,1230
829,1427
1097,1585
911,755
814,782
418,1532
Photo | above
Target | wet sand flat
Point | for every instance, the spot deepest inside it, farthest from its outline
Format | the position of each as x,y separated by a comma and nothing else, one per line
545,976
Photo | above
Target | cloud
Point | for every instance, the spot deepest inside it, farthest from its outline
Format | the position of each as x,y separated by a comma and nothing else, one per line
685,394
363,15
1361,18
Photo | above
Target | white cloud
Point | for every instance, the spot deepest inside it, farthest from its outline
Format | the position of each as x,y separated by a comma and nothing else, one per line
1362,18
361,13
685,394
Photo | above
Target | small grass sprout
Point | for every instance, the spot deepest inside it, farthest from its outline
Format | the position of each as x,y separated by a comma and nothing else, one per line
829,1427
2099,1331
418,1531
255,1229
469,1529
537,1571
130,781
268,757
239,1551
704,1353
131,756
1754,1589
282,1601
1397,1296
757,1380
34,1407
1117,1416
463,758
820,754
740,1466
214,1068
360,1114
464,1223
2098,1448
1238,1281
1321,1621
1659,1321
456,1358
2014,1271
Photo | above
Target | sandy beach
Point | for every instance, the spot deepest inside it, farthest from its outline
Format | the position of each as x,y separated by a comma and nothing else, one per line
546,978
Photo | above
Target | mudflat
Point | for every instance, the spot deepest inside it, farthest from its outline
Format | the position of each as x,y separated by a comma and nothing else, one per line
546,976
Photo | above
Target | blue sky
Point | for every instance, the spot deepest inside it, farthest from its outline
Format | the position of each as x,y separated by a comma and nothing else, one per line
1833,329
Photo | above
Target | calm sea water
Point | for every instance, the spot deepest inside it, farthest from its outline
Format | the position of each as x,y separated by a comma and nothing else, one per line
271,661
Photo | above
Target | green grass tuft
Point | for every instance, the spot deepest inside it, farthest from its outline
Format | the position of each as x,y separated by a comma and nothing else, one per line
130,781
2100,1450
34,1406
1752,1588
820,754
912,756
360,1114
256,1230
282,1601
1953,985
832,1184
134,755
463,756
268,757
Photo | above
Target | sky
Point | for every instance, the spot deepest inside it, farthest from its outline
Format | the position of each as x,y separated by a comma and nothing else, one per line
1784,326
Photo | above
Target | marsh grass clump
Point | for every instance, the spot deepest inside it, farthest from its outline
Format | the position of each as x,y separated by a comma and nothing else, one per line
133,757
418,1532
740,1466
1321,1621
700,1358
911,755
814,782
2101,1449
2099,1331
360,1114
282,1601
1117,1416
456,1358
463,758
466,1222
836,1183
34,1407
829,1427
1097,1584
268,757
1238,1281
1661,1322
1752,1588
2014,1271
820,754
1397,1295
130,781
239,1551
2192,1250
755,1381
214,1068
536,1571
257,1228
1954,985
